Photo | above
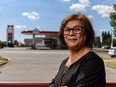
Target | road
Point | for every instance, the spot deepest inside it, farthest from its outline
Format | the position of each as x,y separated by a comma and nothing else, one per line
29,65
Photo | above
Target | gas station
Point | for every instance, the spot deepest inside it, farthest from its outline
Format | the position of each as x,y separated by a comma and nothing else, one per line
50,38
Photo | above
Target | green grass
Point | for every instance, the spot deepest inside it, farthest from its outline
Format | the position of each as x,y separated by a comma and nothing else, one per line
111,63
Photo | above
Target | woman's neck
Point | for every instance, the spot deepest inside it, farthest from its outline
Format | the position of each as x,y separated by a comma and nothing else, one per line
74,52
76,55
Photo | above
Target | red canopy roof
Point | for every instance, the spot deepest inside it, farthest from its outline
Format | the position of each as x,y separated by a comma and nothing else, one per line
30,32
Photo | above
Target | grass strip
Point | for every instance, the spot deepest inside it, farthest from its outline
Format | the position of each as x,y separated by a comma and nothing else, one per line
4,60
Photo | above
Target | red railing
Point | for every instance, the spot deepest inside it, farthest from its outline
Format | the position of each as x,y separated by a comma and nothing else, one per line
111,84
43,84
23,84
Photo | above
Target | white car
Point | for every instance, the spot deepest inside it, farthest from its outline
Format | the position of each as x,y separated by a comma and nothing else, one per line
112,52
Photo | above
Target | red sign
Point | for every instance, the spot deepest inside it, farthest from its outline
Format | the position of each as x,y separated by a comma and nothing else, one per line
9,34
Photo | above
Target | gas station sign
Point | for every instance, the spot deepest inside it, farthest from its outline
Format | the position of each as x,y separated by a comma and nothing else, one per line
10,34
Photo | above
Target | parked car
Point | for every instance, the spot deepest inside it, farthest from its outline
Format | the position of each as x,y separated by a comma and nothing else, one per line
112,52
106,47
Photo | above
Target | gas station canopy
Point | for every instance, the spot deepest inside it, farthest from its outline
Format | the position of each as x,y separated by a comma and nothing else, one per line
30,32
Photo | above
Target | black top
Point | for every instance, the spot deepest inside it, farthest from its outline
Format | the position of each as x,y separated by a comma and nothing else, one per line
88,71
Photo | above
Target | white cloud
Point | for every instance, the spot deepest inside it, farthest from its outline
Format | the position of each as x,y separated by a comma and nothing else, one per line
66,0
80,6
20,26
84,2
101,30
77,7
31,15
25,14
103,10
90,16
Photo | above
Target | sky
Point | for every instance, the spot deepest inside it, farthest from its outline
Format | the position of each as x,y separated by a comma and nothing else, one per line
47,15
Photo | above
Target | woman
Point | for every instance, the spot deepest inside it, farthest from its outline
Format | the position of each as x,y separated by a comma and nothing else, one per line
83,68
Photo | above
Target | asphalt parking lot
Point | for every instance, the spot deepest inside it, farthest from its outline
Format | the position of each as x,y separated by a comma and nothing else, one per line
29,65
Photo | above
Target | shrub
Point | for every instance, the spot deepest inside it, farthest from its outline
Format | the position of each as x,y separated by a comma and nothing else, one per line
2,44
10,45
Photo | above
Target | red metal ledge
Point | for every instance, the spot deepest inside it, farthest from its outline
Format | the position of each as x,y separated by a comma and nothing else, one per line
23,84
43,84
111,84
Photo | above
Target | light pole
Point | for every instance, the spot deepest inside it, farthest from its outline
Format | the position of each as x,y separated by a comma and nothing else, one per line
112,38
101,40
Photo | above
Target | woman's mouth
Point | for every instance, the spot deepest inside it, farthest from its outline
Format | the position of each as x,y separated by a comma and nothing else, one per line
72,40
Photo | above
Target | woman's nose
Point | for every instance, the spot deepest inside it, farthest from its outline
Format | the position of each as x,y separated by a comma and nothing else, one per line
71,32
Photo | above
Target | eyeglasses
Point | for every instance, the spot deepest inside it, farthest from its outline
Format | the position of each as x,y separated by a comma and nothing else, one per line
76,29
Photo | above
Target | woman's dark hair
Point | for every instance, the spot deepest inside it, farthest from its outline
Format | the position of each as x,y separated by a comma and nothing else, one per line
89,31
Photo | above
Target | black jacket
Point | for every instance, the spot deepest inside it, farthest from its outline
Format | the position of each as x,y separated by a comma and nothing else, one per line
88,71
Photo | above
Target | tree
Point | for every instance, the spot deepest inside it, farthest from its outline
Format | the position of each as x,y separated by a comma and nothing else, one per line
106,37
2,44
113,20
16,42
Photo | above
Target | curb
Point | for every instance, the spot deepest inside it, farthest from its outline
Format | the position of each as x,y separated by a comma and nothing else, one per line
110,66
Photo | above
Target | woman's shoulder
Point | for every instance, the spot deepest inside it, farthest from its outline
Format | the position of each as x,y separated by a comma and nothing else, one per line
92,56
91,61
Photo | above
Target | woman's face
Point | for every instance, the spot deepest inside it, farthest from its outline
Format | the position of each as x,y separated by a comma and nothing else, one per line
74,34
